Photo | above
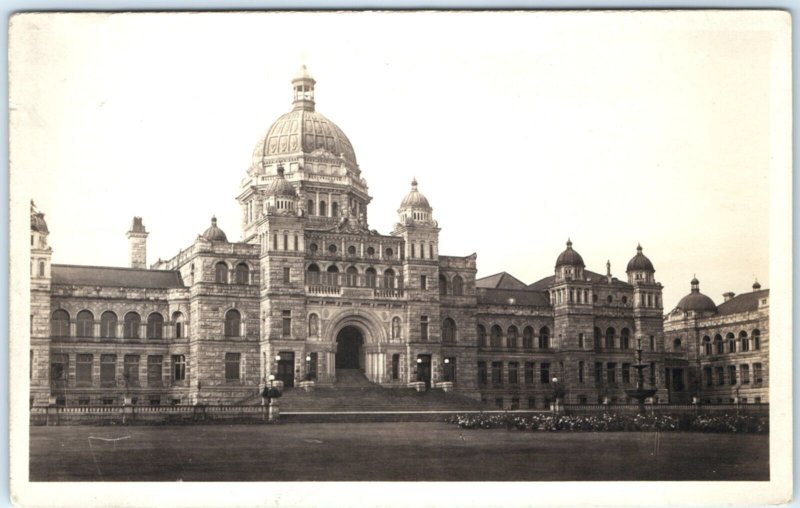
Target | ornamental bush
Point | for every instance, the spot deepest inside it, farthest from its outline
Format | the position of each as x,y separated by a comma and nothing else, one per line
610,422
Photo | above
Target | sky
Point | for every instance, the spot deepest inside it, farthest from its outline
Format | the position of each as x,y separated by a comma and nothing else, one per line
523,130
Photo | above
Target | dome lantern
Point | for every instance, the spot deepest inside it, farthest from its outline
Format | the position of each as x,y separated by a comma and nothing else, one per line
415,207
214,233
303,88
569,264
696,301
280,195
640,268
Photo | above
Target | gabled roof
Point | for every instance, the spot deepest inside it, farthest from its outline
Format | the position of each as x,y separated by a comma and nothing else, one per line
107,276
595,278
746,302
502,280
524,297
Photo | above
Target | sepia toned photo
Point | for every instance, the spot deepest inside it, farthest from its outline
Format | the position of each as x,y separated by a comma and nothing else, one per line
404,249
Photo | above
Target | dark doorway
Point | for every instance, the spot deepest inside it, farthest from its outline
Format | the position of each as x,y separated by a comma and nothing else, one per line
424,369
450,369
348,348
286,368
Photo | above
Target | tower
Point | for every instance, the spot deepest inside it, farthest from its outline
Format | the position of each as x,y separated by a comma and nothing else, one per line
137,244
41,254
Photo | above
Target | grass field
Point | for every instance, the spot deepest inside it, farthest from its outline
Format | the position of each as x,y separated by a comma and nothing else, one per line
386,451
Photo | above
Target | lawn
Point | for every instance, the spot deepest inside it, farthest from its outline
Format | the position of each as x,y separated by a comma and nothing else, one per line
386,451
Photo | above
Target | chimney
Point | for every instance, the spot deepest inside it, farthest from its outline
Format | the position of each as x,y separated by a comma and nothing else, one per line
728,296
137,244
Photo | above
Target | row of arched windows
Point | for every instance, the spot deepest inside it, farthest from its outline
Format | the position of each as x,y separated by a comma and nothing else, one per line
742,343
455,288
241,274
512,337
609,339
131,325
351,277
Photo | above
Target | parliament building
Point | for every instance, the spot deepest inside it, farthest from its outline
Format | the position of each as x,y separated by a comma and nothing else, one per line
310,292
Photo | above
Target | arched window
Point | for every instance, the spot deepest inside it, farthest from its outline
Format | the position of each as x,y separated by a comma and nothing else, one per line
335,209
598,335
496,336
41,268
442,284
323,209
527,338
731,338
744,340
396,330
707,345
625,339
242,274
511,337
84,325
388,278
544,338
448,330
332,277
481,336
131,326
310,207
371,277
59,323
458,286
221,273
108,325
676,345
155,326
313,325
756,339
177,319
351,251
312,274
610,332
233,322
352,276
718,344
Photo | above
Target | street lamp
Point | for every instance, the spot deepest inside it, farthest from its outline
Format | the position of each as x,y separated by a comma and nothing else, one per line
278,357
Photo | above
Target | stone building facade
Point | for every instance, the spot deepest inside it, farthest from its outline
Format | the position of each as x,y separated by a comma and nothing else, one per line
311,291
719,353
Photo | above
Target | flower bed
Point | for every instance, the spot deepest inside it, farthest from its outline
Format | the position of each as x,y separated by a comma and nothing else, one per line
608,422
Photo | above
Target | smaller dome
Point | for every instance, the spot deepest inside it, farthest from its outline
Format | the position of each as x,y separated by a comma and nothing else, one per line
302,73
756,286
215,234
38,223
569,257
640,262
696,301
280,186
415,199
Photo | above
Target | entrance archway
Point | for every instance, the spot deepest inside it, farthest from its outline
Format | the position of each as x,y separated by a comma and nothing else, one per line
349,342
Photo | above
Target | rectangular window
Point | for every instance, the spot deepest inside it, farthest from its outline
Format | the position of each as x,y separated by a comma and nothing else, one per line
58,369
108,370
598,373
757,379
652,373
83,401
482,374
531,402
395,366
178,367
514,403
580,340
513,373
611,373
626,373
450,369
580,372
285,242
83,372
108,401
498,402
707,375
745,370
287,275
732,374
528,373
544,373
275,241
155,370
287,323
652,343
497,373
423,327
296,243
155,400
232,366
720,376
423,282
131,370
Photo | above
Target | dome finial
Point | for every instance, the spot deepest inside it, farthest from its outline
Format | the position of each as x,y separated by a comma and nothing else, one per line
569,243
756,285
639,248
414,183
608,268
213,220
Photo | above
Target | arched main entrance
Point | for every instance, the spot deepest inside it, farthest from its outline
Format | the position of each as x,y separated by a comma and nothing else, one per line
349,342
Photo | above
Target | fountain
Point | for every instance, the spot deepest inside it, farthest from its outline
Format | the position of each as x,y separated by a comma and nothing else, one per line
640,393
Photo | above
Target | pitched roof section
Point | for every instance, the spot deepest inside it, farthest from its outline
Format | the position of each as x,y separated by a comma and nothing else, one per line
746,302
107,276
596,278
524,297
502,280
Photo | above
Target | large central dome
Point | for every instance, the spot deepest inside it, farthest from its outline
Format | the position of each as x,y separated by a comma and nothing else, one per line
305,135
